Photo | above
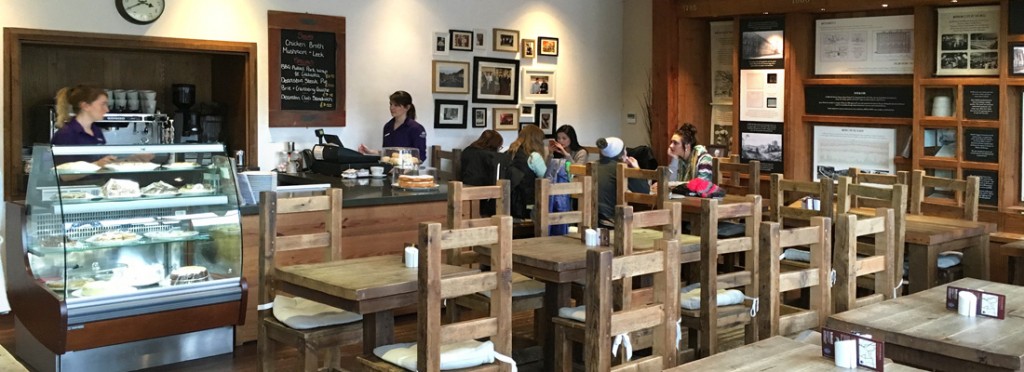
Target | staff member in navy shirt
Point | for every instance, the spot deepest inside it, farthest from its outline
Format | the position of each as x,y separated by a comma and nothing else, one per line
90,104
402,130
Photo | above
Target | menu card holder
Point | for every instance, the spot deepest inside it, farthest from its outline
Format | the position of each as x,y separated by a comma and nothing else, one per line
992,305
870,352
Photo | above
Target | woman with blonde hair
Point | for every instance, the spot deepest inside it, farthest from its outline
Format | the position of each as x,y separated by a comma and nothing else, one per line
527,154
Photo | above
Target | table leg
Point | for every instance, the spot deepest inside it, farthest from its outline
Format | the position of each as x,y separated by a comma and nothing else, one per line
975,260
556,295
378,330
923,270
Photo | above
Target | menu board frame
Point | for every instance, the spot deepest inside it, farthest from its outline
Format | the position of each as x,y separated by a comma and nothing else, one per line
277,22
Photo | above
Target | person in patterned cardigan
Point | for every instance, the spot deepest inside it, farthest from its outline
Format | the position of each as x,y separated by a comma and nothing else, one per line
694,160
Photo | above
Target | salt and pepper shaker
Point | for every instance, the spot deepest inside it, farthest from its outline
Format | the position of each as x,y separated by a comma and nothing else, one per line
240,160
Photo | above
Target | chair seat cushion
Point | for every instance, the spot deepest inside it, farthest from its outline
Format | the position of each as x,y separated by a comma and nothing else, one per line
689,298
946,260
794,254
300,313
457,355
731,229
526,287
578,313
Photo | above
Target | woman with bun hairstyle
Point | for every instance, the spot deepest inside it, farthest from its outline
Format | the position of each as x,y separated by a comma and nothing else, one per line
480,162
402,130
567,146
694,160
527,163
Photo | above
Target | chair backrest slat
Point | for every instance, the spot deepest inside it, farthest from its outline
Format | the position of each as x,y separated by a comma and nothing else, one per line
783,191
730,172
543,218
849,265
656,199
895,197
964,201
773,282
454,159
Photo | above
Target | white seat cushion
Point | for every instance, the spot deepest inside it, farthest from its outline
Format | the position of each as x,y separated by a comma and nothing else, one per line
689,298
523,288
799,255
300,313
578,313
464,354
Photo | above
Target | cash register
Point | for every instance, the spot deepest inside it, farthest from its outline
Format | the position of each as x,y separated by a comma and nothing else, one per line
330,157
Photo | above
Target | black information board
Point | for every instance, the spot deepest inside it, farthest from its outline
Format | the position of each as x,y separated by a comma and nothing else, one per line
762,142
1016,17
988,192
761,44
886,102
308,70
981,144
981,102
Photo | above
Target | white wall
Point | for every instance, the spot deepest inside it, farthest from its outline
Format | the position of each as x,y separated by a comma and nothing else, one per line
636,68
388,49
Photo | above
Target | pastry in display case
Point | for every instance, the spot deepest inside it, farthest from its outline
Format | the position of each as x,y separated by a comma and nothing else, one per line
115,256
400,157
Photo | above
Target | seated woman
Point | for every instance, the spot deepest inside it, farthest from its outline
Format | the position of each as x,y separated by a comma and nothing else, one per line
613,151
480,162
566,146
527,163
694,160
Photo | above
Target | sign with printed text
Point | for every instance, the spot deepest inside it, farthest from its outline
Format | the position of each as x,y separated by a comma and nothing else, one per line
992,305
870,352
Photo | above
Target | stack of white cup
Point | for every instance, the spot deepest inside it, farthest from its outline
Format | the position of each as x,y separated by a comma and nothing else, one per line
941,106
148,101
131,100
120,101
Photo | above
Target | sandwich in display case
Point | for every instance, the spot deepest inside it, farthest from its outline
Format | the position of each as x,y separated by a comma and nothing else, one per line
125,257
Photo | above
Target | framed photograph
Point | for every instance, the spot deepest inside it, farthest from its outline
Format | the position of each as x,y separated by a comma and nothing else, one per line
529,48
506,40
461,40
450,77
450,114
479,117
526,113
506,118
495,80
480,39
1016,59
548,46
439,43
546,117
718,151
538,84
967,43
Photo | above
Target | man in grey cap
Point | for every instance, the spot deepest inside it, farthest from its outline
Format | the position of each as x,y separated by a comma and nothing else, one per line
613,150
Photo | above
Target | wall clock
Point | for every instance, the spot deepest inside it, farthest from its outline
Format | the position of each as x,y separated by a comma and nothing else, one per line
140,12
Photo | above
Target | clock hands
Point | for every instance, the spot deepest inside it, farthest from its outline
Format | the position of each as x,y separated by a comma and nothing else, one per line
141,2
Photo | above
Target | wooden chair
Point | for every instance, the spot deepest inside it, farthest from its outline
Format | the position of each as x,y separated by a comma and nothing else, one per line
604,320
304,248
655,199
784,191
588,169
668,220
849,266
579,188
777,318
705,322
454,158
962,203
459,197
433,289
729,174
894,197
593,152
858,177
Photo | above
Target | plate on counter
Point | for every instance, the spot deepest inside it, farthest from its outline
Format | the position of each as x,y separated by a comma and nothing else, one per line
113,238
181,165
432,188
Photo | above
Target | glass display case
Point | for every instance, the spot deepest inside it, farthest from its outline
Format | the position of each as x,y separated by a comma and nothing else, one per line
155,230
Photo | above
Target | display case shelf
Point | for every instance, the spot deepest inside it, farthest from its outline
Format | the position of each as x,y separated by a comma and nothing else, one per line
102,172
88,247
108,205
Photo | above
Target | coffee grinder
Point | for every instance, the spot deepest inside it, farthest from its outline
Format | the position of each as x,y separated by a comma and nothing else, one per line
186,122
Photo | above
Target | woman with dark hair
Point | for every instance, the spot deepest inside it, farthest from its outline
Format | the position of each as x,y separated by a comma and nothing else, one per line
402,130
480,162
694,160
566,146
527,163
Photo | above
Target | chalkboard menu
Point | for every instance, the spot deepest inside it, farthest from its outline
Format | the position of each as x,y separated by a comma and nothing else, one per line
308,70
981,102
981,144
988,189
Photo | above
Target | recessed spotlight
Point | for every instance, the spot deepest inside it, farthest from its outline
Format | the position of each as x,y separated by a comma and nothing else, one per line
885,5
765,12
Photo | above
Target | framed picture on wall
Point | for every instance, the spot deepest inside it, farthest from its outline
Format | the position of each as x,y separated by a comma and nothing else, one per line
538,84
450,114
526,113
461,40
495,80
479,117
546,117
506,118
439,43
450,77
548,46
1016,59
529,48
968,41
506,40
480,39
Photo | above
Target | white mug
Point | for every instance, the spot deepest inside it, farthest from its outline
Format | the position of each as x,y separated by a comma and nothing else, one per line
132,94
149,95
377,171
119,94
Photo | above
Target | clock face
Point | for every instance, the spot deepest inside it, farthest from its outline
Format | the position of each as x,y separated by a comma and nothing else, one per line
140,11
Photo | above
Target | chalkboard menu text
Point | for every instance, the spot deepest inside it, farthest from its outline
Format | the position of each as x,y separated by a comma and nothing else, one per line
305,70
308,70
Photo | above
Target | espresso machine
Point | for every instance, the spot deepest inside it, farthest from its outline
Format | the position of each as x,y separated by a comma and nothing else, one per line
186,121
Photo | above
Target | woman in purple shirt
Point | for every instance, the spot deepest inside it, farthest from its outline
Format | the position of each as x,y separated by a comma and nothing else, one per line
402,130
90,104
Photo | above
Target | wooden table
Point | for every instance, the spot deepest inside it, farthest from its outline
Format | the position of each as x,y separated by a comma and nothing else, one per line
927,236
558,261
918,330
371,286
774,354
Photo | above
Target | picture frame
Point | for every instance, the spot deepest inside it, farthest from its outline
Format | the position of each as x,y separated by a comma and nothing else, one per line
480,39
479,117
526,113
548,46
506,118
505,40
718,151
450,114
529,48
439,43
461,40
546,117
1016,52
495,80
538,84
967,41
450,77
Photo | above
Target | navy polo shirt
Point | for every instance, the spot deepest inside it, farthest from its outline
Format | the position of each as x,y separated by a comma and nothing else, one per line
72,133
409,134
